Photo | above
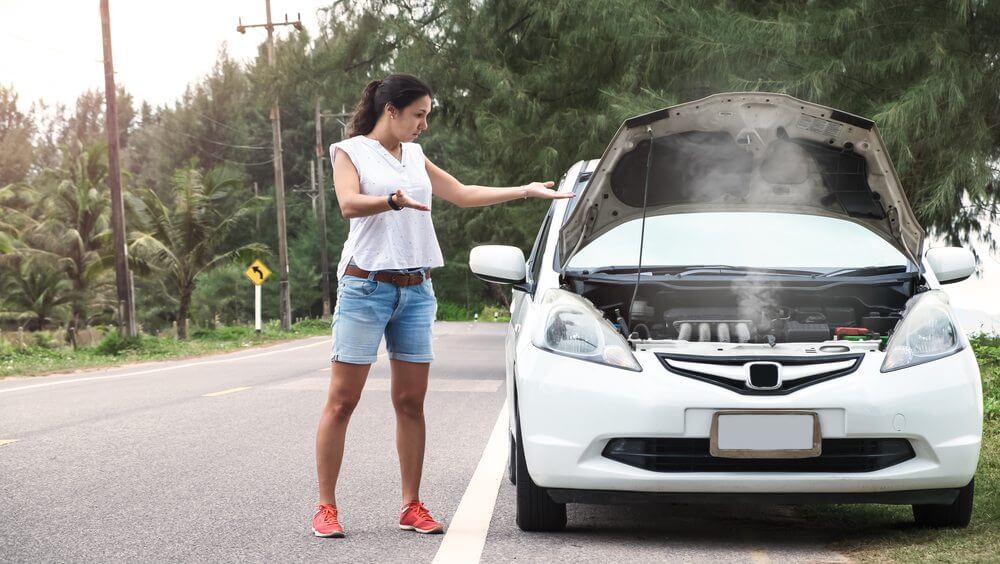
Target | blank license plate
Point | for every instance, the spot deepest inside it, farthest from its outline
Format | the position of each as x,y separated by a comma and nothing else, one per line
786,434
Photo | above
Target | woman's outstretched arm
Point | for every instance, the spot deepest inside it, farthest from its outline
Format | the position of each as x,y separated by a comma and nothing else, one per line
447,187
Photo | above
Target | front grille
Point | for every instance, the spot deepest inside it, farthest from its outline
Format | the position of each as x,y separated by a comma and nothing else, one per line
720,370
692,455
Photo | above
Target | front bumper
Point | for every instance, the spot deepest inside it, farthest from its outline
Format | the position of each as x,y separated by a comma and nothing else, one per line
569,410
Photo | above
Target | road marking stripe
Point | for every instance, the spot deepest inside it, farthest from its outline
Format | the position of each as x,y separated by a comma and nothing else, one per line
7,441
162,369
759,557
229,391
466,535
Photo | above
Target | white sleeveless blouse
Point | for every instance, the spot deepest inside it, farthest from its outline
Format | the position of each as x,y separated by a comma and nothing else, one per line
391,239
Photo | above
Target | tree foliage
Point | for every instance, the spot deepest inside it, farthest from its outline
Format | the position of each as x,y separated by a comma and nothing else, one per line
184,238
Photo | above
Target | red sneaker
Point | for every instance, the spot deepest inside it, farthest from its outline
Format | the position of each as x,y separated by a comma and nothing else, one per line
414,517
325,523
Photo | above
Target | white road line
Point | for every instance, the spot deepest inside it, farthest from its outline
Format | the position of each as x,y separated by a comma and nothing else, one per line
224,392
7,441
466,535
162,369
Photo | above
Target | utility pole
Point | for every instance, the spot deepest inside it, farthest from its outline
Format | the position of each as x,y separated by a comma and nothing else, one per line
126,309
318,171
255,194
279,169
320,158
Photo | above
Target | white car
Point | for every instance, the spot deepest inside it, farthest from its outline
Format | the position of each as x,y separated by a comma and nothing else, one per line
782,340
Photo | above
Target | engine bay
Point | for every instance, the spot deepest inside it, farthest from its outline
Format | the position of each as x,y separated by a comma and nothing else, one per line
749,311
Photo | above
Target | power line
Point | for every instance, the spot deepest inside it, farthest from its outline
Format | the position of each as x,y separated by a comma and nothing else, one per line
217,122
244,163
212,141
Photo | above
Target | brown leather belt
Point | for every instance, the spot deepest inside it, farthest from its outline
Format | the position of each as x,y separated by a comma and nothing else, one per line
397,278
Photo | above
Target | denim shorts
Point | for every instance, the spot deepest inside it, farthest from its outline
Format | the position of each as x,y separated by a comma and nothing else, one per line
367,309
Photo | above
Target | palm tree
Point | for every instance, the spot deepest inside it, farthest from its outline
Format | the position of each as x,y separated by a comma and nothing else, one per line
188,237
36,292
72,210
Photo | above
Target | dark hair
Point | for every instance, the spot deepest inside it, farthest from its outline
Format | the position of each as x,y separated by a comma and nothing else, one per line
398,89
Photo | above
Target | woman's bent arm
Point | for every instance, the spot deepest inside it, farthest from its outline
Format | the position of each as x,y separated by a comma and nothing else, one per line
353,203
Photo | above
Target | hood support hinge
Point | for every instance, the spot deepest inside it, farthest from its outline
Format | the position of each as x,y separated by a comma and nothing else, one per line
587,226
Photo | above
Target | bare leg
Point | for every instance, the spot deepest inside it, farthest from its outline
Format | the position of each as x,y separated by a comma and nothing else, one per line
409,386
346,383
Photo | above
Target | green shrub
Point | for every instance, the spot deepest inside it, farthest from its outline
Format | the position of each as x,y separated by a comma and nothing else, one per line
309,324
450,311
488,313
7,350
987,351
115,344
43,339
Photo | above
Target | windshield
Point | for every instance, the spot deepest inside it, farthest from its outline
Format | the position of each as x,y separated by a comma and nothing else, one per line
742,239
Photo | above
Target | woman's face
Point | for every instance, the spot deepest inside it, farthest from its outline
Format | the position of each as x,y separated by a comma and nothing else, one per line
411,121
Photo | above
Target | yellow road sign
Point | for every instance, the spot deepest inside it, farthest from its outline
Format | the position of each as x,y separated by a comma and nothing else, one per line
257,272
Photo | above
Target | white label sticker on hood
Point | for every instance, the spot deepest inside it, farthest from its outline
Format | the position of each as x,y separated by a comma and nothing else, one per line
818,125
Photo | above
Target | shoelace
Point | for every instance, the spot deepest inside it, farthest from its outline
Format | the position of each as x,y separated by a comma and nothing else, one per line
422,512
329,515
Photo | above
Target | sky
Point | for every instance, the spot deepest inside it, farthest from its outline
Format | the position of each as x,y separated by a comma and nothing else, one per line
52,50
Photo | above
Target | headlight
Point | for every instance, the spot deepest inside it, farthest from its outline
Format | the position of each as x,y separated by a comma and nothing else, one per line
927,332
575,328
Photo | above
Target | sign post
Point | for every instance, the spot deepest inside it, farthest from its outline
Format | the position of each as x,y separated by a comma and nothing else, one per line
256,307
257,273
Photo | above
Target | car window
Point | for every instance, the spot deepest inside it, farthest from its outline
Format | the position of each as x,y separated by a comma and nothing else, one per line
535,260
578,188
752,239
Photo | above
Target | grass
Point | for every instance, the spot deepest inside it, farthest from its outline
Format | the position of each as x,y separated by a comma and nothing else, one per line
35,360
883,533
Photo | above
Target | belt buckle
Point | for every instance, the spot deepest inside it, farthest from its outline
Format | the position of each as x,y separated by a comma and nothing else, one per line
407,279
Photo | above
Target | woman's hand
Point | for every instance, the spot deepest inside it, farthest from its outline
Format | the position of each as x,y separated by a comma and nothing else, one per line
402,199
543,190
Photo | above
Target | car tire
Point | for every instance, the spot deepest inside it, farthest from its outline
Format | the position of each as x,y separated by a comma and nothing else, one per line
535,509
956,514
512,461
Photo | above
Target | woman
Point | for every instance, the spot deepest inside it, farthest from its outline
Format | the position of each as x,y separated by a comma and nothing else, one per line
384,185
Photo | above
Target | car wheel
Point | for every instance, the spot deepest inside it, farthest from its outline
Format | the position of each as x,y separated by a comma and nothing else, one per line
956,514
512,461
535,509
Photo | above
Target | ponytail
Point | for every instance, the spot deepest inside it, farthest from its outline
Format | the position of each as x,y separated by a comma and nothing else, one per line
396,89
365,114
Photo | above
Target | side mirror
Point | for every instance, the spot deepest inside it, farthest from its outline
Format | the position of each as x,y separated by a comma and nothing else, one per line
500,264
951,264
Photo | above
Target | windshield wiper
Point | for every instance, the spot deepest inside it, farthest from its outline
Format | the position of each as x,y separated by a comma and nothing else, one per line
729,269
690,270
865,271
629,269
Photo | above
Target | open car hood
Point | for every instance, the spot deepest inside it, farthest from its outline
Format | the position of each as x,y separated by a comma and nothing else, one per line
745,152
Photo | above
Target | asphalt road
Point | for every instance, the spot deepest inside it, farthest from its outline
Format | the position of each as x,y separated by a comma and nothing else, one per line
212,460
